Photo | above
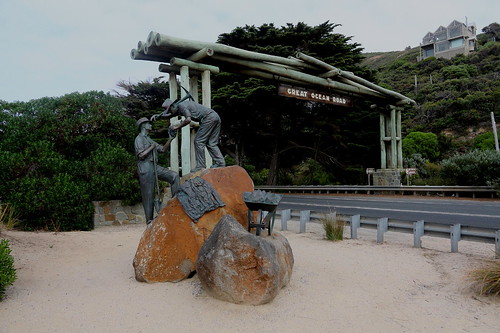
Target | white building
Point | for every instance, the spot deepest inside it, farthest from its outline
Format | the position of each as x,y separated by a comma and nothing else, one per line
457,38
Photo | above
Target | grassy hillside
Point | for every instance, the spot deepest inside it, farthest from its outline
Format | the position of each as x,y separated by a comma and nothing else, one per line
378,60
455,97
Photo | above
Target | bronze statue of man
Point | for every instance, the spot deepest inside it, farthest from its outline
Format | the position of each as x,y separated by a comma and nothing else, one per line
149,171
207,135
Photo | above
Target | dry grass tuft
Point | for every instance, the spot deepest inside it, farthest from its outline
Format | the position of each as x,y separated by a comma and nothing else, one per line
334,228
487,279
8,219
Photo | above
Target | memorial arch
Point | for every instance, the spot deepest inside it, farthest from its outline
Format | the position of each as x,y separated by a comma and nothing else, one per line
299,76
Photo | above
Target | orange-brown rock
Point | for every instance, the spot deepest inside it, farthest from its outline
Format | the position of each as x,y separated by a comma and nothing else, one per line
169,246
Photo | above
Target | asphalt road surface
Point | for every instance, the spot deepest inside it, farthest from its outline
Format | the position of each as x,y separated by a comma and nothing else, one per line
473,212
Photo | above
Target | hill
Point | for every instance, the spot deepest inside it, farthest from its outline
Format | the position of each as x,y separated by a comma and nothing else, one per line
377,60
455,97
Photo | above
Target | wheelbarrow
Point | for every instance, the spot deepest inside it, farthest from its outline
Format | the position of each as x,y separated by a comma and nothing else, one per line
261,202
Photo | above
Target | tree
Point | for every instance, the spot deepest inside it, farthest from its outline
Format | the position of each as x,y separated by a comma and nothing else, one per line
279,132
491,32
144,98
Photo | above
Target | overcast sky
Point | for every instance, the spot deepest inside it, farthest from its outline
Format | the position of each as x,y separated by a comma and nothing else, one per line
55,47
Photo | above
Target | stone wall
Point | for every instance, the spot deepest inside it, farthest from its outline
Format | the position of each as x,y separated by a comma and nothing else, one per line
387,177
114,213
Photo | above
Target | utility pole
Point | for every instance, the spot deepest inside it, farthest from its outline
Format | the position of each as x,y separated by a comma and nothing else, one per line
495,135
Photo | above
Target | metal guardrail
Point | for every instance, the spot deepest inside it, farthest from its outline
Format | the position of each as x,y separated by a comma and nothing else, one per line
455,191
420,228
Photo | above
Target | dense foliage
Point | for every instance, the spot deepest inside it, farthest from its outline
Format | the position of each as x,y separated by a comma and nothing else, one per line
7,270
59,154
473,168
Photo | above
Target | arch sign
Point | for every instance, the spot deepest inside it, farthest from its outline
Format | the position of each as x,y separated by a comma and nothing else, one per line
313,95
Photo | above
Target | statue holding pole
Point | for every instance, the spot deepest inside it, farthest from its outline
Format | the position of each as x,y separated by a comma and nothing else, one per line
149,171
208,132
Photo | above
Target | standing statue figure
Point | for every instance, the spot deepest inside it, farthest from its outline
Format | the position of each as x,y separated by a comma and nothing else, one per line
149,171
207,134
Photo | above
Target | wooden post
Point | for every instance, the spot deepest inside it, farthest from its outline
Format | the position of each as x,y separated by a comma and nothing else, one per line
383,152
399,138
193,89
186,130
394,157
174,145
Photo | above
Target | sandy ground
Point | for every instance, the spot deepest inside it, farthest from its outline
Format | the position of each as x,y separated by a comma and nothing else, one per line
84,282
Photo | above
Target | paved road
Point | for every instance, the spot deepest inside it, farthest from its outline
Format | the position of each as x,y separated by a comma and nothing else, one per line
484,214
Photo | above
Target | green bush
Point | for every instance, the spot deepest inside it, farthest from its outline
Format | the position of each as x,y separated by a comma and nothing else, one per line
7,270
60,203
57,155
427,173
485,141
425,144
310,172
110,170
475,168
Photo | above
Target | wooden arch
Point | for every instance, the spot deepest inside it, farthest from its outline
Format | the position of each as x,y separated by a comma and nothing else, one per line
192,59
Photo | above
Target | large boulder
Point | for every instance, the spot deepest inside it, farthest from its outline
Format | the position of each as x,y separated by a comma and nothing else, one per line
236,266
169,246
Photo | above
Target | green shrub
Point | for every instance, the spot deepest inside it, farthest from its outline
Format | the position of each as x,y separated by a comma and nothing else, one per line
110,170
59,203
475,168
310,172
7,270
425,144
485,141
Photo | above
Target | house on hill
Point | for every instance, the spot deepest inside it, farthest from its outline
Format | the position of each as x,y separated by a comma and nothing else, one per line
447,42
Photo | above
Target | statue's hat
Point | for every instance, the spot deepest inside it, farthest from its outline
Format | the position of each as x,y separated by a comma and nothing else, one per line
141,121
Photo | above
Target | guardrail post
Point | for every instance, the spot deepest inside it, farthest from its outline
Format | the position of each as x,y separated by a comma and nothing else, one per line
382,226
355,223
497,244
455,237
286,214
305,216
418,232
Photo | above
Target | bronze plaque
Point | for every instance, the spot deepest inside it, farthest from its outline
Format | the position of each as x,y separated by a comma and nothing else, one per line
313,95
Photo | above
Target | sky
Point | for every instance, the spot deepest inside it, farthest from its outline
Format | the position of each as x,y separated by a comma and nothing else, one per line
50,48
